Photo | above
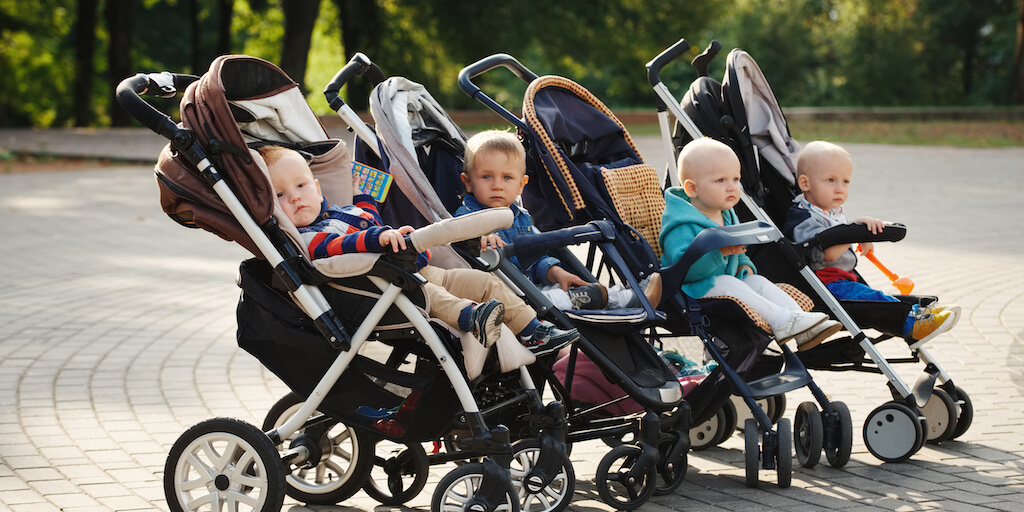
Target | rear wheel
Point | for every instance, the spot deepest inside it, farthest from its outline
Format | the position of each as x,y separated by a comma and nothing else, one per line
398,474
941,413
670,474
966,413
556,495
462,484
343,464
703,436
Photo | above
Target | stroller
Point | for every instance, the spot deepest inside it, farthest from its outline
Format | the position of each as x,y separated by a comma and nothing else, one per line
309,322
418,143
742,112
585,167
542,473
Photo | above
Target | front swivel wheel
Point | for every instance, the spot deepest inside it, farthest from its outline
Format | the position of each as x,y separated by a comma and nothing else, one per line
617,483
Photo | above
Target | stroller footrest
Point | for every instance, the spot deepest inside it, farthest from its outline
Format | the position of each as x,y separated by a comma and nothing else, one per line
778,384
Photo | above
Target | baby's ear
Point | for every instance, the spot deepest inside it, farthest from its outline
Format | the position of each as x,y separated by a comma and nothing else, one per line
689,187
803,182
465,180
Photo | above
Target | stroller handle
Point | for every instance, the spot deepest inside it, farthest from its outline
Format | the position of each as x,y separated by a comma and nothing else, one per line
668,55
164,85
486,64
359,64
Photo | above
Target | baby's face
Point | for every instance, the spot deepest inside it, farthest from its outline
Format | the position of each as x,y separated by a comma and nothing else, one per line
296,190
827,185
716,187
496,179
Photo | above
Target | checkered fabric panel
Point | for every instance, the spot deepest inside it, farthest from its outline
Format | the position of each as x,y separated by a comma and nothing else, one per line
754,315
637,197
800,297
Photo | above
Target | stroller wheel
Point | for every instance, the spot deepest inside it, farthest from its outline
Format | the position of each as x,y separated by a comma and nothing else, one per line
727,425
616,486
707,434
461,485
670,474
941,413
344,462
398,474
839,454
966,413
892,432
751,450
225,462
554,497
808,434
784,453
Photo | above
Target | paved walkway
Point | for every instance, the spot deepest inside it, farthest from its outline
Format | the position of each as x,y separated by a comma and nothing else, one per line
117,333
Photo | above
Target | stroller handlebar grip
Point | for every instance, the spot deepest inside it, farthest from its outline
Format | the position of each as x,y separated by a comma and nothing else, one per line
486,64
129,91
359,64
473,225
670,54
703,61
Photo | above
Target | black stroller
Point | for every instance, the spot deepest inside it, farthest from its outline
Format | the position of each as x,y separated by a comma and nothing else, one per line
419,144
309,322
584,167
727,111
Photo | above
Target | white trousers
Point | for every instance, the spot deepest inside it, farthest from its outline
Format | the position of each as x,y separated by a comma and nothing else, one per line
775,305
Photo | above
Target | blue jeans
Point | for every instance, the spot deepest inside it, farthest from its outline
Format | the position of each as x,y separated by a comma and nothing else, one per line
856,290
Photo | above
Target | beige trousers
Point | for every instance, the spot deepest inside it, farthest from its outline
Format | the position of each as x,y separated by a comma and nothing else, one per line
457,288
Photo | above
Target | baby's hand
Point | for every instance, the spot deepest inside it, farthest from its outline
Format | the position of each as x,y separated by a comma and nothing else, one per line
395,237
874,225
492,240
564,278
729,250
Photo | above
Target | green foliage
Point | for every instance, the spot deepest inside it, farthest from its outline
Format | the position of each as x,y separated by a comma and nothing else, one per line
814,52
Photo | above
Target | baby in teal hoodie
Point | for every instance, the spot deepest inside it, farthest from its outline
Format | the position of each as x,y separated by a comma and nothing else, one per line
710,175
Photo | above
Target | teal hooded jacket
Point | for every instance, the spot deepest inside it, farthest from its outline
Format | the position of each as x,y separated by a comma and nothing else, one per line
680,223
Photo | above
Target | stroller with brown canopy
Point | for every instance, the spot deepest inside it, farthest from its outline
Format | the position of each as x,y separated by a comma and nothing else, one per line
309,322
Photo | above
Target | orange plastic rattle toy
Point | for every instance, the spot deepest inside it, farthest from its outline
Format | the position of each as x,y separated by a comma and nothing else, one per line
904,284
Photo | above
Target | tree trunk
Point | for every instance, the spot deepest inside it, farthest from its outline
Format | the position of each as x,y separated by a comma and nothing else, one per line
1017,80
225,10
85,67
195,43
360,32
119,17
299,19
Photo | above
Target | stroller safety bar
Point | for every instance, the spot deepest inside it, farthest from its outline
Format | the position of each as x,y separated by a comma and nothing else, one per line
852,233
532,247
465,227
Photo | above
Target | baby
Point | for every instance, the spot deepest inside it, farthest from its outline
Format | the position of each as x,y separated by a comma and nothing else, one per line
472,300
824,172
494,176
710,174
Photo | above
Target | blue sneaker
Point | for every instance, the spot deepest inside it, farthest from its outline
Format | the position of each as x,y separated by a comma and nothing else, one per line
547,338
486,319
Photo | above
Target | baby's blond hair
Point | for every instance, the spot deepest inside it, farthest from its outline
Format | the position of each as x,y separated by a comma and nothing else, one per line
493,140
812,154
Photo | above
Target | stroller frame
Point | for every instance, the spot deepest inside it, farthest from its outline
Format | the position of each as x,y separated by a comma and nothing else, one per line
908,400
264,473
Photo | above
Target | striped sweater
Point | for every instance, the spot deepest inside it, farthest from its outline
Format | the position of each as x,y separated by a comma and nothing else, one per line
347,229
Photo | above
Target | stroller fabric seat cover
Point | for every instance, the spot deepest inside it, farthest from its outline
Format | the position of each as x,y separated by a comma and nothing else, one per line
766,123
403,109
638,199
